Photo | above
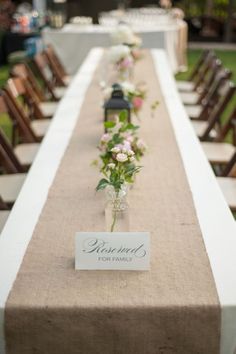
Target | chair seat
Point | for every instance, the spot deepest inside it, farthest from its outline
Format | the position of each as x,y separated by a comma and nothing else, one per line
48,108
185,85
193,111
218,153
40,127
59,91
200,128
10,186
189,98
228,187
67,79
3,218
26,153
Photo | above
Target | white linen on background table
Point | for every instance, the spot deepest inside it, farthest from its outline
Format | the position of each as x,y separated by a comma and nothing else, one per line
73,42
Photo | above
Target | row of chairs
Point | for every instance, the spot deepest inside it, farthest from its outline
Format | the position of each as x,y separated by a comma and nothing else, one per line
208,95
30,100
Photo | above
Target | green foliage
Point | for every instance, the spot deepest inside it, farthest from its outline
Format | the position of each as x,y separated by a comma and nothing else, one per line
198,8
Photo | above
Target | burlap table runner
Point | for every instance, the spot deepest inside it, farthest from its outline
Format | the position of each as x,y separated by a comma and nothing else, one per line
173,308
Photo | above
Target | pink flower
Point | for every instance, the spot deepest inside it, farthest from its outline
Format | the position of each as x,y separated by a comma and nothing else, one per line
126,145
105,138
126,63
141,145
137,102
136,54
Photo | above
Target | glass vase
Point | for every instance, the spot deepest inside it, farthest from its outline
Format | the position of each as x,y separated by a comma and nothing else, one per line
117,210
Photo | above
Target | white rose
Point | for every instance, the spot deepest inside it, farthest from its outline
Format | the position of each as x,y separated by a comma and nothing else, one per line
128,87
121,157
132,158
118,52
111,166
115,149
131,153
122,34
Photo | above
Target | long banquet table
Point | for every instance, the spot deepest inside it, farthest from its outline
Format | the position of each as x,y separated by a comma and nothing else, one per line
73,42
185,304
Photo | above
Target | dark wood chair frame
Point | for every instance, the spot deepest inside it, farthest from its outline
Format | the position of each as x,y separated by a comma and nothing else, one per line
41,62
56,66
214,118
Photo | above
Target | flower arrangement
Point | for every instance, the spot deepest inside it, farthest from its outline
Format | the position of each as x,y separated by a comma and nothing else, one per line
120,150
124,35
120,135
120,55
135,95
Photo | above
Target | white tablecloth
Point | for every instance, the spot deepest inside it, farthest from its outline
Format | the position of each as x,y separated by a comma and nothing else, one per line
73,42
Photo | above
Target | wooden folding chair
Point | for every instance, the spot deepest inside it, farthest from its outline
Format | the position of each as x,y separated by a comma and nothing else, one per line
19,158
203,110
16,89
194,98
10,186
63,79
219,152
228,183
47,77
42,107
211,129
190,84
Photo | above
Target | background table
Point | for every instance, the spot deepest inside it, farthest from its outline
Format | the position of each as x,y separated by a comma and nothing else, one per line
73,42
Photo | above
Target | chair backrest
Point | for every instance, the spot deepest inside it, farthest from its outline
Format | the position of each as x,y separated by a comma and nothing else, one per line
20,86
214,67
56,66
228,92
9,161
229,126
45,73
23,70
213,95
203,72
199,65
17,114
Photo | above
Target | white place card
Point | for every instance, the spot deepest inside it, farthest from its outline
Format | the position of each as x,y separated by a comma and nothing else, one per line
112,251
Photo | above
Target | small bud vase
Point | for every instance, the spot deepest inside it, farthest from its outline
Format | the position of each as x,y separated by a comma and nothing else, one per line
117,210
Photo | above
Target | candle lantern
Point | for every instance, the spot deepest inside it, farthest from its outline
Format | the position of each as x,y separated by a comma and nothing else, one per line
116,104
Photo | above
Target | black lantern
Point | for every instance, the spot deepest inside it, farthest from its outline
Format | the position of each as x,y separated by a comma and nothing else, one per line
116,104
